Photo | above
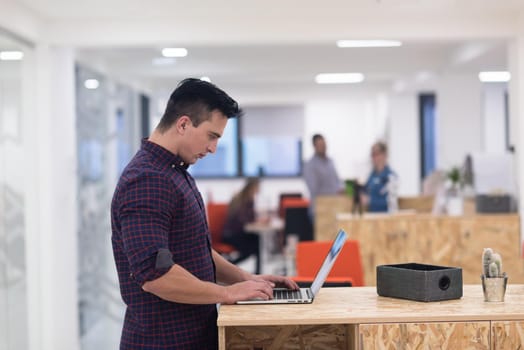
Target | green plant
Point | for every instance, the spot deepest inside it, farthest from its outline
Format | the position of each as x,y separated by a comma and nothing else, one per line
491,263
454,176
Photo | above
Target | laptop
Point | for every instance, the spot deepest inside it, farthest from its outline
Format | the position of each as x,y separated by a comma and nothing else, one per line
306,295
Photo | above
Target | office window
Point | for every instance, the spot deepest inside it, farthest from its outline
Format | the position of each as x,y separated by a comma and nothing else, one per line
266,141
271,140
427,108
224,162
271,156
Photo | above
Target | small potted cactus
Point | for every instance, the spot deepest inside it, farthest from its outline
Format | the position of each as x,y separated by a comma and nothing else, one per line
494,281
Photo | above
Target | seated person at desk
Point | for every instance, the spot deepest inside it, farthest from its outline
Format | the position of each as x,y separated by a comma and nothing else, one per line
241,211
376,188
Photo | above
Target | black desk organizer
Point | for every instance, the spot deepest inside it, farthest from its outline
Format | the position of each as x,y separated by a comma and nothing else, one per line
419,282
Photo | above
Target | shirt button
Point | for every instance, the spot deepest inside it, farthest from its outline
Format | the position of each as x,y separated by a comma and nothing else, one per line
181,163
173,165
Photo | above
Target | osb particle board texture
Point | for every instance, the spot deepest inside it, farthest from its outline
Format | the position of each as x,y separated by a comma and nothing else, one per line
437,240
446,335
288,337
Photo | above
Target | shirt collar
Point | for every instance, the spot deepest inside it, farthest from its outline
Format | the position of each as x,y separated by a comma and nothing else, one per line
162,156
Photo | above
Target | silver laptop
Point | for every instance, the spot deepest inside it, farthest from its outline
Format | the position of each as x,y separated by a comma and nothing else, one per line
306,295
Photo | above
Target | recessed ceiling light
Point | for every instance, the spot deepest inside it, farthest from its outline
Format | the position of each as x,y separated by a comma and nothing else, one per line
11,55
205,78
368,43
339,78
91,84
174,52
494,77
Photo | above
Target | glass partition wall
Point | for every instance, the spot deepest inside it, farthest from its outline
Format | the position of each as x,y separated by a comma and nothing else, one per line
13,273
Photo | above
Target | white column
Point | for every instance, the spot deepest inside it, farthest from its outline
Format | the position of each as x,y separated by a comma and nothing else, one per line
494,132
404,134
52,207
516,100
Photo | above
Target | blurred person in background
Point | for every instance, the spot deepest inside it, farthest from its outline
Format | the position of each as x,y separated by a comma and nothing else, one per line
320,174
241,211
170,277
379,182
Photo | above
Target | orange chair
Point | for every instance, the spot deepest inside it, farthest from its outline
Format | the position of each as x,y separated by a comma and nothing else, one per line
348,267
284,196
291,202
216,218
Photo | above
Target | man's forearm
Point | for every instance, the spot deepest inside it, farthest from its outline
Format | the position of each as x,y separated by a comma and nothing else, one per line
180,286
228,273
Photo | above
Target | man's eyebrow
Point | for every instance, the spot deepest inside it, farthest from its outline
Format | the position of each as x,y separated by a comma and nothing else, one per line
216,134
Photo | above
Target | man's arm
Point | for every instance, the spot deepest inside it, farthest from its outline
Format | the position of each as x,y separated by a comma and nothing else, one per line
228,273
310,178
180,286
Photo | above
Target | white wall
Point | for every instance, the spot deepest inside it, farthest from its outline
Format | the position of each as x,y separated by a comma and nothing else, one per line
494,131
404,142
459,119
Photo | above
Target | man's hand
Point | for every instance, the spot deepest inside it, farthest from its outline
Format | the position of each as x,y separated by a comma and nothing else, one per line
281,281
252,289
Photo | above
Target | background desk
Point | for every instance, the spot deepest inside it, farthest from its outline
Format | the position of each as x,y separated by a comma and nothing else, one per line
266,233
438,240
357,318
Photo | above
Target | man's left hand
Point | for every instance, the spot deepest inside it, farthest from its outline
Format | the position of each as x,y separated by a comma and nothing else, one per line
278,280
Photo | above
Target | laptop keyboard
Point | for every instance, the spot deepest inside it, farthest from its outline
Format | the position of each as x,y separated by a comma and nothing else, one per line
284,294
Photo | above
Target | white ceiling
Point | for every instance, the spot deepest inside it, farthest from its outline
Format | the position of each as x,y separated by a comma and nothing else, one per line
269,62
295,66
223,10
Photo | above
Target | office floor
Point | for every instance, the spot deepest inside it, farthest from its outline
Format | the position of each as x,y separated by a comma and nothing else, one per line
105,335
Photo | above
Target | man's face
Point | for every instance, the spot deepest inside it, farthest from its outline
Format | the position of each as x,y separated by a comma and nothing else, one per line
378,157
320,147
201,140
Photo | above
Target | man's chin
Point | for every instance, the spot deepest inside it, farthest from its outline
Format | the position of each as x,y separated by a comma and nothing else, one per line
195,159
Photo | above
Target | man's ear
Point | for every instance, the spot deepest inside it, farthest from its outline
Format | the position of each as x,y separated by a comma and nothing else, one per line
182,123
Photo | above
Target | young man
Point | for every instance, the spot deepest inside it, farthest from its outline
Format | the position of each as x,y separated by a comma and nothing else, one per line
320,173
167,269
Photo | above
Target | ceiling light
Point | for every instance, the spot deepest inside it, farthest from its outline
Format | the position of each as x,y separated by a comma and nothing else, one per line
11,55
91,84
494,77
174,52
339,78
368,43
205,78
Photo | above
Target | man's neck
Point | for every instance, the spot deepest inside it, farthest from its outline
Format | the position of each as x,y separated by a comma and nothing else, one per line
380,168
164,140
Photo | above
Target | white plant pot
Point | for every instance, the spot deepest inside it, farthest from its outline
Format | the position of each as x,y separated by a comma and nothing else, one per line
455,206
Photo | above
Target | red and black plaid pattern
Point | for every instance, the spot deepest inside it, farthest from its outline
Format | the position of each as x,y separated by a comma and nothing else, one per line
156,205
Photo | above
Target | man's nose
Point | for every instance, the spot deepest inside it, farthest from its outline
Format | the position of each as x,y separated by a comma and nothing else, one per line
212,147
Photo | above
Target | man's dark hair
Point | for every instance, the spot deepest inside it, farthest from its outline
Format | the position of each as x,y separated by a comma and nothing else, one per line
196,99
316,137
381,147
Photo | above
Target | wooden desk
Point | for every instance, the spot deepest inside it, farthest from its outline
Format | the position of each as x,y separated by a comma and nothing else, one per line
357,318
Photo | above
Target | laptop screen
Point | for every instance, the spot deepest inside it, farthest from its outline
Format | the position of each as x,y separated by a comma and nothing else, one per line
332,255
